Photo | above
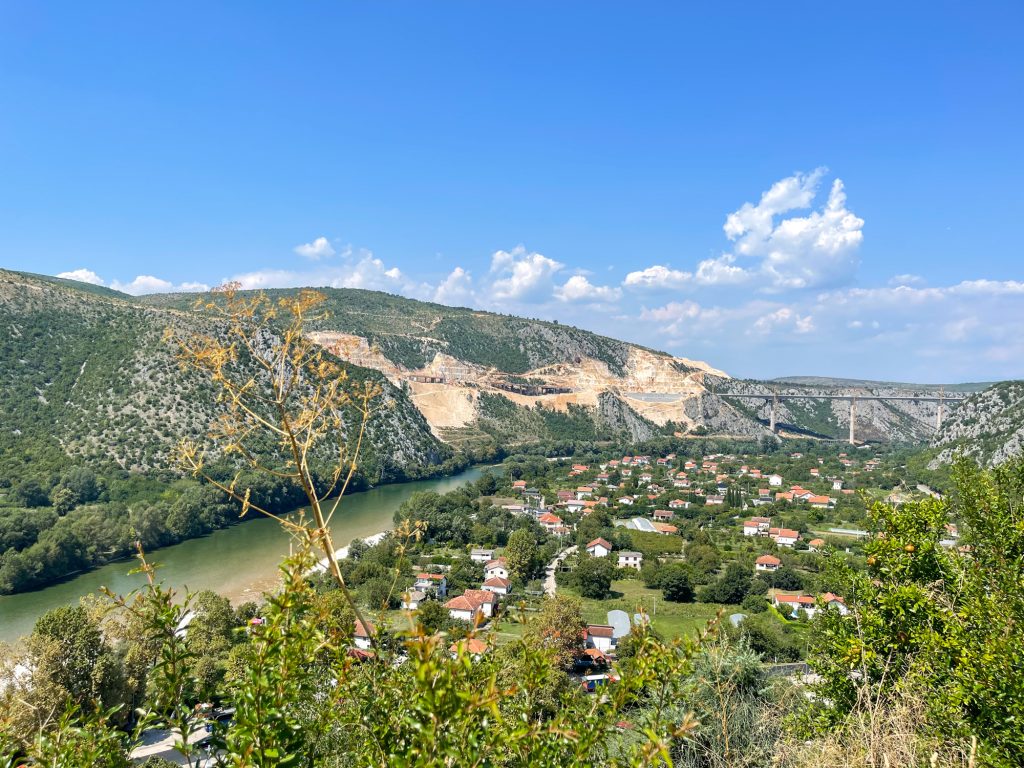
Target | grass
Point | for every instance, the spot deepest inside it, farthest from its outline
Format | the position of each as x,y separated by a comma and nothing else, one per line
668,619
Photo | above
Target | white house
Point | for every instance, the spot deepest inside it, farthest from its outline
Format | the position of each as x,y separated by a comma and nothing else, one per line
630,560
472,605
774,479
784,537
496,569
768,563
432,582
599,548
412,599
498,586
550,521
361,638
601,637
481,555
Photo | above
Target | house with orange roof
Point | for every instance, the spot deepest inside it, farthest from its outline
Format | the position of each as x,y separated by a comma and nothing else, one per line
473,605
473,646
361,636
499,586
600,637
549,521
496,568
432,583
599,548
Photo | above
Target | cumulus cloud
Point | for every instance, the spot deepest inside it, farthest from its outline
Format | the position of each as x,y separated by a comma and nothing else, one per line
367,272
721,271
773,250
658,277
455,289
799,251
579,288
907,279
521,275
785,318
318,249
140,285
82,276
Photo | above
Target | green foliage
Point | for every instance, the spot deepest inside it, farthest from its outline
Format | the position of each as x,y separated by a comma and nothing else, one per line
731,587
676,585
592,576
945,622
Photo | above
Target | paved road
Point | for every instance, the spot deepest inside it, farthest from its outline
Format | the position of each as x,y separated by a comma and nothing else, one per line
549,573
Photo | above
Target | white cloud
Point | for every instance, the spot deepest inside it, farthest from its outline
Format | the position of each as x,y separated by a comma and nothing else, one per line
784,318
456,289
783,253
801,251
318,249
82,276
368,272
578,288
897,280
519,275
658,277
721,271
149,284
753,224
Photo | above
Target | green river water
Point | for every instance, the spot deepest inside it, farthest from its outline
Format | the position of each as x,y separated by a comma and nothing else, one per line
239,562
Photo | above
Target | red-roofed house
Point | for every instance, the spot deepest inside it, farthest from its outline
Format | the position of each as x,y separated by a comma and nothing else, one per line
767,563
472,605
361,637
549,521
599,548
498,586
599,636
496,569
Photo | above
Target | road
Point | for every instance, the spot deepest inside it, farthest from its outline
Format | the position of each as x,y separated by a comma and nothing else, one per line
549,573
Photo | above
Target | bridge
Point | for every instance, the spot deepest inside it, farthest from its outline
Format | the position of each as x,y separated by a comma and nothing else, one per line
942,398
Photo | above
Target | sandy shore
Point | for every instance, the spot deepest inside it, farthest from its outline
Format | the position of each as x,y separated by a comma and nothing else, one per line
342,553
254,591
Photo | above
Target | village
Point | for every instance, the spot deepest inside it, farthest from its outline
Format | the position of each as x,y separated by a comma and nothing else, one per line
668,541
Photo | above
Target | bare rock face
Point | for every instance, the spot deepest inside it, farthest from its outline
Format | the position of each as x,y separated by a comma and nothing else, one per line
988,426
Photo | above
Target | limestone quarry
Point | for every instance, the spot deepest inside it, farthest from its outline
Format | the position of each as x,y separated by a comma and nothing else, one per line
658,387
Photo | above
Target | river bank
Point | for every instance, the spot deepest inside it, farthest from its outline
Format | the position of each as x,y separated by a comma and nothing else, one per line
239,562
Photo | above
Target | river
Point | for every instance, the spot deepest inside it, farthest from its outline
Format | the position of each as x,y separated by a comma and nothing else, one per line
239,562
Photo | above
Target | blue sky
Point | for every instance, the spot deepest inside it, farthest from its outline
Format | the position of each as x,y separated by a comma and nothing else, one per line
658,173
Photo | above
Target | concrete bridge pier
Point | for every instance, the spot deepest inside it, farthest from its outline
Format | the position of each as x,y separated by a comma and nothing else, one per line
775,404
853,419
938,412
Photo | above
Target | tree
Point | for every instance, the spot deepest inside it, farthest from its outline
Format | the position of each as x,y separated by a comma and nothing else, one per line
593,576
675,584
29,493
433,617
559,627
731,587
945,624
521,555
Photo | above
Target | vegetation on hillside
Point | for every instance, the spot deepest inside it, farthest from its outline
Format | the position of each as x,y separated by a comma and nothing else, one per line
410,333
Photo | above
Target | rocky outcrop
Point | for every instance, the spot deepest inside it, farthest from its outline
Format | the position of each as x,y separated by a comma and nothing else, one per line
988,426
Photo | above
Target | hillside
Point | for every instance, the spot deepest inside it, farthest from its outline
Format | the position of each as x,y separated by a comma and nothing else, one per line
87,379
836,383
988,425
483,378
898,421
